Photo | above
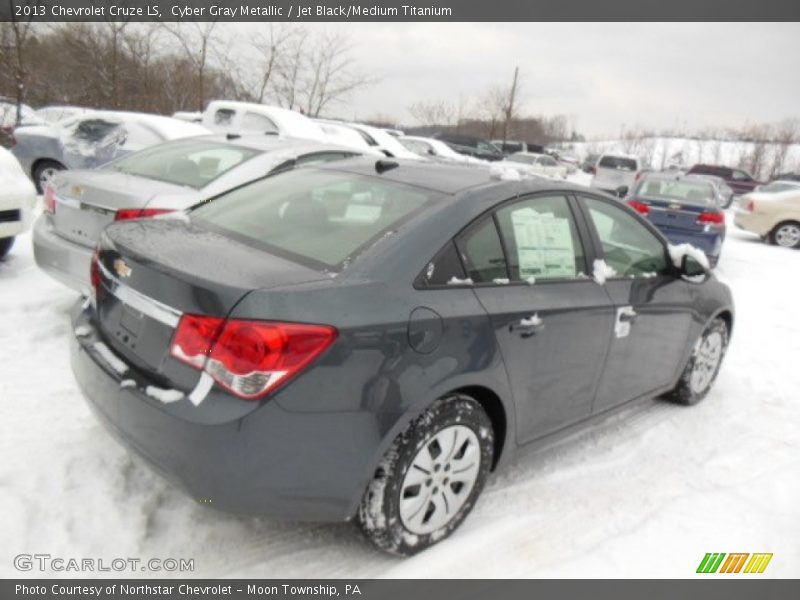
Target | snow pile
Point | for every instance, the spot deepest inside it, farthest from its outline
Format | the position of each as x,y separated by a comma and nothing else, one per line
83,330
107,355
501,281
602,271
677,253
457,281
532,321
504,172
162,395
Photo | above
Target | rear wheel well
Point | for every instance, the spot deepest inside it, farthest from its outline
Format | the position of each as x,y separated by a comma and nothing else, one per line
491,403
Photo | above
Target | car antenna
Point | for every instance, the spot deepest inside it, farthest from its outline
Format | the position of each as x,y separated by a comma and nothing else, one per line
381,165
232,136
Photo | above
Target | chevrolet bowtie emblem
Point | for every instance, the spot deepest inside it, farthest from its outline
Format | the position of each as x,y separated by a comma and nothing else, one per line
76,191
121,268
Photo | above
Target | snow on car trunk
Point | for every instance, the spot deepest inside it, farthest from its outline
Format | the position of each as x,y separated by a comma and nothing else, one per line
645,494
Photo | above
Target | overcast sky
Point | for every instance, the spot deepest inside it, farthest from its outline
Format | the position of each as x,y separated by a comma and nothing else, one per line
601,75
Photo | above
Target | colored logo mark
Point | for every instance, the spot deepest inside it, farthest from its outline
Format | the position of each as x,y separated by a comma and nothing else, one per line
737,562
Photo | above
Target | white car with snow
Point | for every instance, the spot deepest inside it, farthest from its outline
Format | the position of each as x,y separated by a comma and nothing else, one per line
537,164
225,116
17,198
616,171
437,150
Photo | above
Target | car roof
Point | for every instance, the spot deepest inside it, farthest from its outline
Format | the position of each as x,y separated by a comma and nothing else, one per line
448,178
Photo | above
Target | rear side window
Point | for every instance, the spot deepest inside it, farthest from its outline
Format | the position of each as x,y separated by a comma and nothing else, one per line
482,252
224,117
445,266
319,218
617,162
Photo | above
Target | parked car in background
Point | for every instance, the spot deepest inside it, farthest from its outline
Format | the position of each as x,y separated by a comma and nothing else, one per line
8,120
777,185
17,199
685,209
376,138
224,116
539,164
616,173
471,146
386,285
514,146
589,163
92,139
739,180
723,190
437,150
169,177
54,114
188,116
775,216
787,177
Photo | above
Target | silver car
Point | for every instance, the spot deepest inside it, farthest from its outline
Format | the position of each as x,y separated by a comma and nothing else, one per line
166,178
92,139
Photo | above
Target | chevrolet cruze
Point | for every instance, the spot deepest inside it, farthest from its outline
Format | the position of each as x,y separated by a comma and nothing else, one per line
369,340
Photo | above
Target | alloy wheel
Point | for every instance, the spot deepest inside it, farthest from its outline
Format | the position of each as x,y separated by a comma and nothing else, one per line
788,235
708,355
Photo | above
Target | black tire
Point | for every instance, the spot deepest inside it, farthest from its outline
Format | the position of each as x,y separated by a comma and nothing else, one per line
685,392
42,168
379,514
777,239
5,246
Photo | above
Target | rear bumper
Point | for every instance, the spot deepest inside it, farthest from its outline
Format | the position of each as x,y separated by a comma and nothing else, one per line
61,259
267,461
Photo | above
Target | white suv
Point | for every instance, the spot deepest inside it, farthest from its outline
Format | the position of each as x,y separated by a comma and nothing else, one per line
614,171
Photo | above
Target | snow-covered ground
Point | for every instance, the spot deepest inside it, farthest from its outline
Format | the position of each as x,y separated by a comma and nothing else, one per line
645,494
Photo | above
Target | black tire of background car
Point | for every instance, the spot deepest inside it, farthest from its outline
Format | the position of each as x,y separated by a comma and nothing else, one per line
379,513
5,246
40,168
683,394
774,232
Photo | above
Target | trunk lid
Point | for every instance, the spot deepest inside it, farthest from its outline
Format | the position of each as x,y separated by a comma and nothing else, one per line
674,214
154,270
87,201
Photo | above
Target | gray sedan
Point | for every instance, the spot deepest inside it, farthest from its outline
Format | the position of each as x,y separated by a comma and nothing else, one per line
169,177
92,139
368,339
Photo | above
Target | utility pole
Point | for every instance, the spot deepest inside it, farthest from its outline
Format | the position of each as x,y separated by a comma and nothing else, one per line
512,96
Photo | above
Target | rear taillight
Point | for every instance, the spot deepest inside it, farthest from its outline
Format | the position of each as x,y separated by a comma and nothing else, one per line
124,214
94,271
750,206
249,358
50,199
711,218
639,207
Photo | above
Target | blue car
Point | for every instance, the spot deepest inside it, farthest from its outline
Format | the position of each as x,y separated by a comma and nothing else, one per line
685,209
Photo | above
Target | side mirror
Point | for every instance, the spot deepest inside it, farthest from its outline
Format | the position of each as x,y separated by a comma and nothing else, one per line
691,268
622,191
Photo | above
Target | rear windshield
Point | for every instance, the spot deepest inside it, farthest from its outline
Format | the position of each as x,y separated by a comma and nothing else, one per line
690,192
617,162
192,163
316,217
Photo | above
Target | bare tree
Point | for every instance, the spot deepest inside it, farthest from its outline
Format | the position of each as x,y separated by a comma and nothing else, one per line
510,104
330,74
271,45
290,71
16,53
433,112
786,133
200,44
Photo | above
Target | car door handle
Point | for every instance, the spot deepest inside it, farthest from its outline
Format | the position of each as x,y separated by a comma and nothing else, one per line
628,316
527,327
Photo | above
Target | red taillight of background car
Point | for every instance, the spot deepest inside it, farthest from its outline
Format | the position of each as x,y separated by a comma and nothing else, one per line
639,207
50,199
249,358
94,271
750,206
711,218
124,214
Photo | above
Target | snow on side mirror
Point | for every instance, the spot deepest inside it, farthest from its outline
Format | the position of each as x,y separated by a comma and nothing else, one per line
692,269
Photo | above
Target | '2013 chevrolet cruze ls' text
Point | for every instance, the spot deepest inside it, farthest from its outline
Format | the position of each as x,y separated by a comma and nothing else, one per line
371,339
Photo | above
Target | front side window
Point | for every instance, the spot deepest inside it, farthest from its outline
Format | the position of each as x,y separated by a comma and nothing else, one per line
541,239
628,246
224,117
